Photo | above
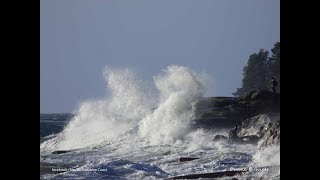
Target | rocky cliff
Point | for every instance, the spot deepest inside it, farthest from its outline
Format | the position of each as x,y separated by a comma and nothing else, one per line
255,118
228,112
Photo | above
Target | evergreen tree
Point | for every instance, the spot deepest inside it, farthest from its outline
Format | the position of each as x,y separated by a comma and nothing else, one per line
255,73
274,64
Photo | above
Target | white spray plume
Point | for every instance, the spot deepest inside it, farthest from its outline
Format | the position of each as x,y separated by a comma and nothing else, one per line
130,108
179,89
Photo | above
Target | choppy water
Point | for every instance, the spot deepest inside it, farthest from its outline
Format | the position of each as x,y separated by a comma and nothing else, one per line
51,124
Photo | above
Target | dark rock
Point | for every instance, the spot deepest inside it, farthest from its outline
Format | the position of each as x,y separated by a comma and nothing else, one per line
262,94
253,139
209,175
249,94
233,134
210,102
220,137
264,128
227,112
215,122
184,159
61,152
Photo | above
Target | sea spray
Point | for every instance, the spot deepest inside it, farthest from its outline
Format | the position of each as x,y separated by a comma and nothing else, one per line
267,156
179,89
130,108
101,120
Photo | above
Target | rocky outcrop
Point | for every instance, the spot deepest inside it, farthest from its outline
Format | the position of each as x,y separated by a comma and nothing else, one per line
227,112
271,136
262,130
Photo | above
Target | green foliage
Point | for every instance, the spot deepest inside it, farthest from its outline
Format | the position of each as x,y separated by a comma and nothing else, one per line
259,70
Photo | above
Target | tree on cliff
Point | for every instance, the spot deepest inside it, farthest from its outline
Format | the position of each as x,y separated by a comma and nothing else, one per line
274,64
255,73
259,71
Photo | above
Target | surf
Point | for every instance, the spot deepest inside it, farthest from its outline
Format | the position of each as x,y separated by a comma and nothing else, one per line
131,108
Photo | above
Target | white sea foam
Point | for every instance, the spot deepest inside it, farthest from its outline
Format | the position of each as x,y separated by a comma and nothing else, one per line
130,107
267,156
179,89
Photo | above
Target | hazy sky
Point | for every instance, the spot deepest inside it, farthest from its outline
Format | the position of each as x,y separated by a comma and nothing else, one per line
78,38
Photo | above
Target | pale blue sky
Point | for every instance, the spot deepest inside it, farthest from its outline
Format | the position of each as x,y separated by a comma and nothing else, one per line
78,38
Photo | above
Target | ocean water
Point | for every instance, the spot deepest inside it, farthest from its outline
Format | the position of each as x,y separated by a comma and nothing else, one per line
52,124
140,133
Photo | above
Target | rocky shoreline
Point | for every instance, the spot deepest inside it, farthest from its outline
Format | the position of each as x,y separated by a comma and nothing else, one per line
254,119
227,112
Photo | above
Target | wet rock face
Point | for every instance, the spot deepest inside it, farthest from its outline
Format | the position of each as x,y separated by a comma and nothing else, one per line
255,117
271,136
262,130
